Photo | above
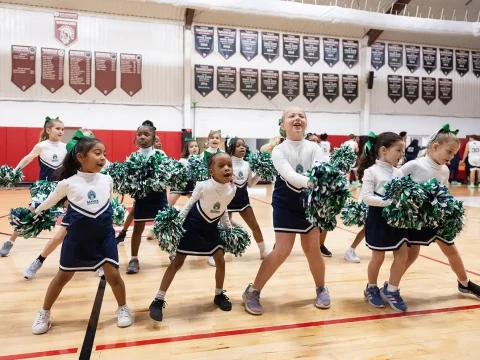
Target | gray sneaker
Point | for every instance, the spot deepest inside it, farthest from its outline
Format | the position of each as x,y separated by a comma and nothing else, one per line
133,266
323,298
30,272
7,246
251,300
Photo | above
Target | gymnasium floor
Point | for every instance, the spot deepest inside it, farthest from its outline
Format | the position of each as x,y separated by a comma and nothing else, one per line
440,323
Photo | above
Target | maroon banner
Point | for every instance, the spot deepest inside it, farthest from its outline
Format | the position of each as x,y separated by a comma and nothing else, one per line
105,72
66,27
23,66
80,65
52,68
131,73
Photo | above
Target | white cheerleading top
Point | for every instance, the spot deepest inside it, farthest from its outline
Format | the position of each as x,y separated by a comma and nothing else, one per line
326,147
50,154
243,173
150,151
424,168
374,179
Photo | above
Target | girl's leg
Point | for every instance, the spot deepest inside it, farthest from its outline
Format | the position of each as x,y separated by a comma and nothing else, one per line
350,255
128,221
249,217
133,265
323,249
220,299
413,252
358,239
374,267
173,198
7,245
397,269
112,275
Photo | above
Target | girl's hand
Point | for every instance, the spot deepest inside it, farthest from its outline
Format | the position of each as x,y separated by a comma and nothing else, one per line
32,210
311,185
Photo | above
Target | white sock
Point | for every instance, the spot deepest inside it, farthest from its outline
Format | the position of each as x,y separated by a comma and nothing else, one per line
392,288
218,291
261,246
134,257
371,285
160,295
46,311
351,249
464,283
252,289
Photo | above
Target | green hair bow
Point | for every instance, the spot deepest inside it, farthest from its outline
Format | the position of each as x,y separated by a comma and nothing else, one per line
229,140
282,132
48,118
77,136
189,139
220,131
444,129
371,140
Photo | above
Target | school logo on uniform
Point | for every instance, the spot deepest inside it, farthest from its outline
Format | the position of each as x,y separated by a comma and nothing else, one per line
92,198
299,169
54,158
216,208
240,175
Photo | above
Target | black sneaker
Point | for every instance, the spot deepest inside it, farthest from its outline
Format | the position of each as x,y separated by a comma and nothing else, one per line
325,252
471,288
223,302
121,236
156,309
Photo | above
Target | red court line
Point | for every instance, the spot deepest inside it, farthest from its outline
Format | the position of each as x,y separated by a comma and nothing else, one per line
279,328
39,354
444,263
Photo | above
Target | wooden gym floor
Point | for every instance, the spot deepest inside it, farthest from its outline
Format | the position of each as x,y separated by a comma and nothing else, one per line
439,324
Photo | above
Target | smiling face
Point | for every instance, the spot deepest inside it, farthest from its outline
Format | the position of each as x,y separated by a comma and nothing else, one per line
392,154
94,160
221,168
294,123
214,139
145,137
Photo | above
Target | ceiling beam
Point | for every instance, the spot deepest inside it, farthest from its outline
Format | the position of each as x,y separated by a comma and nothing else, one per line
397,8
189,15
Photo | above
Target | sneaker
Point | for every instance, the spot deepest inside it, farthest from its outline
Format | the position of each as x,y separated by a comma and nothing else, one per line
211,261
156,309
42,322
171,257
393,298
7,246
472,289
251,301
101,273
121,237
350,256
222,301
264,253
471,186
456,183
124,317
30,272
325,252
372,295
151,235
323,298
133,266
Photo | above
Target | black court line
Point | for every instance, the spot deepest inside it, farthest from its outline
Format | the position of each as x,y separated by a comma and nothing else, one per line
87,346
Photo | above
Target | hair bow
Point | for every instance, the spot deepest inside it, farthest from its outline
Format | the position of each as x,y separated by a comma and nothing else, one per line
220,131
371,140
444,129
229,140
282,132
48,118
189,139
77,136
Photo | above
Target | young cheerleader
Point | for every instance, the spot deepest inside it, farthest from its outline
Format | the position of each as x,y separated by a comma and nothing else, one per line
291,159
50,152
243,177
312,137
381,154
205,209
190,148
326,146
441,149
90,241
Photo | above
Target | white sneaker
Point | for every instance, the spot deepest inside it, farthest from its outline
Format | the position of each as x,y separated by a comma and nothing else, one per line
30,272
265,252
42,322
101,272
210,261
151,235
124,317
350,256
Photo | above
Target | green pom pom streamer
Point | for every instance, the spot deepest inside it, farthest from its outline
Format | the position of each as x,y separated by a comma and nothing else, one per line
29,225
197,169
9,177
262,165
179,174
168,228
235,240
119,212
343,158
433,211
453,220
118,173
42,188
354,214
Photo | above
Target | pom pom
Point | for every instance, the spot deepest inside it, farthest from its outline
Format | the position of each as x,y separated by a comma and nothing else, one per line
354,213
118,173
262,165
197,169
235,240
433,211
453,220
29,225
343,158
328,196
168,228
41,190
119,212
9,177
179,174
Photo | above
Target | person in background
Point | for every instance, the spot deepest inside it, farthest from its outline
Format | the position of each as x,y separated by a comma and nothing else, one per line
325,146
453,166
472,151
354,146
411,153
403,135
312,137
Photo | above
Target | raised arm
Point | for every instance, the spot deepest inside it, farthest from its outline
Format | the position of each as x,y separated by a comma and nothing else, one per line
28,159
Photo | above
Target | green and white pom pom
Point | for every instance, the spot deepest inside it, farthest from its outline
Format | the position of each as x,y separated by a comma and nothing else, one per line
197,169
119,212
262,165
343,158
408,198
235,240
433,211
9,177
42,188
168,228
29,225
453,220
118,173
328,196
354,214
179,174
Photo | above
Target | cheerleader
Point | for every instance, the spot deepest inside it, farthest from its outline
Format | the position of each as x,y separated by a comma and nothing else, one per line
243,177
325,146
312,137
377,166
90,241
442,147
50,152
205,209
190,148
291,159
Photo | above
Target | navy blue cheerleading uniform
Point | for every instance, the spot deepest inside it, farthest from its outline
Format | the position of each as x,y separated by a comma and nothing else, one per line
202,214
90,240
190,184
243,178
380,236
421,170
292,159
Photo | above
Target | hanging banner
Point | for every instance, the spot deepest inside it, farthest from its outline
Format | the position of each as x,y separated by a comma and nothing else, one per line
331,51
311,49
204,79
331,86
270,45
395,56
429,59
269,83
350,87
249,43
476,63
311,86
290,84
446,61
411,88
23,66
350,52
227,42
378,55
105,72
412,57
291,48
203,39
226,80
429,89
395,87
249,82
131,73
462,61
66,27
445,90
53,64
80,66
